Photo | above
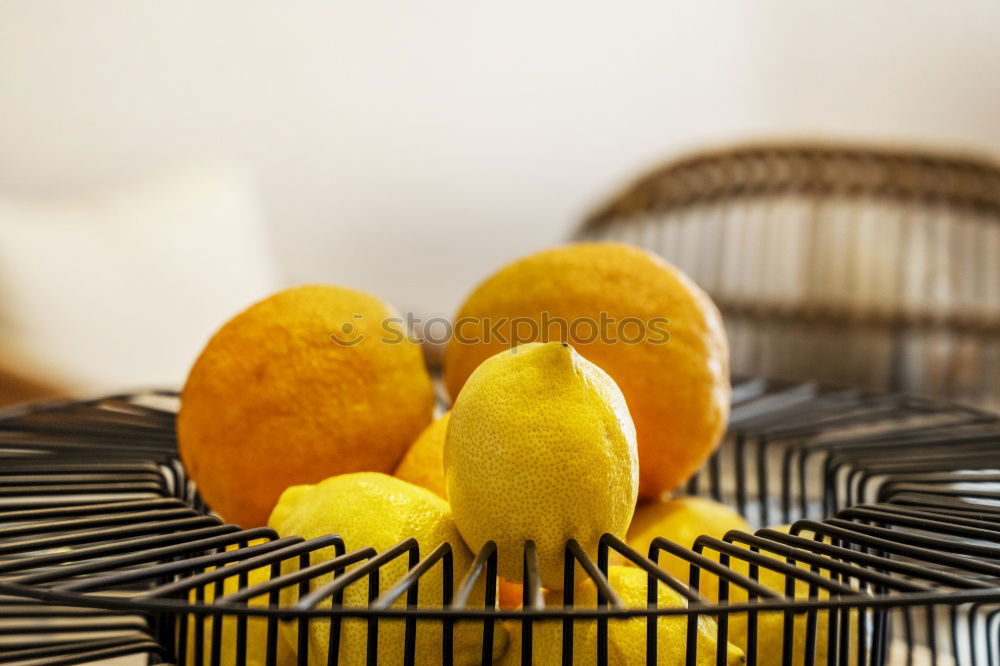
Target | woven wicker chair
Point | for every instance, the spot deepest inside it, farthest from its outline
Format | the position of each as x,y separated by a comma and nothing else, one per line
853,265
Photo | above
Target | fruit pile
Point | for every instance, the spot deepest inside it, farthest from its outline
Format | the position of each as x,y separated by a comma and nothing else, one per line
311,412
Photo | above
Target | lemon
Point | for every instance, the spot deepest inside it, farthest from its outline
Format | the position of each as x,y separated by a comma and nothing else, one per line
256,628
626,638
770,626
373,509
540,446
642,320
310,382
423,463
682,520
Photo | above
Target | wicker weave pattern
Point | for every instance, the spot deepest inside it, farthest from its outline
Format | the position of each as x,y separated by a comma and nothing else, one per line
850,265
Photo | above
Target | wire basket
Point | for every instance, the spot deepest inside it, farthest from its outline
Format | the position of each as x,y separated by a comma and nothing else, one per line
106,549
852,265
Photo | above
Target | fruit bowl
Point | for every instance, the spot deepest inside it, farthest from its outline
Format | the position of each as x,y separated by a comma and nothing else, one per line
891,556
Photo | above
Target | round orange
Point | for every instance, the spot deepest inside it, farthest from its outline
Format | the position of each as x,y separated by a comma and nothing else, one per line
657,334
509,595
309,383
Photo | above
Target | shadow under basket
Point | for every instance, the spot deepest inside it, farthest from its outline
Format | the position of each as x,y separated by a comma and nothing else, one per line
893,555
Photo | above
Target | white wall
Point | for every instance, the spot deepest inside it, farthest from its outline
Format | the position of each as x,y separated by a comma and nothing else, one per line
408,148
892,69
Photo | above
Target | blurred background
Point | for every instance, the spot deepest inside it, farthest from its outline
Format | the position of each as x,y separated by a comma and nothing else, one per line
164,164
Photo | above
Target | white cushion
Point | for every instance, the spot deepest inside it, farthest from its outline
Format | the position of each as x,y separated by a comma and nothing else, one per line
122,288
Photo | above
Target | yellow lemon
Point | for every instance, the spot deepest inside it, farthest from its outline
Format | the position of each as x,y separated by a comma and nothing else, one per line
626,638
642,320
682,520
540,447
372,509
308,383
423,463
770,626
256,627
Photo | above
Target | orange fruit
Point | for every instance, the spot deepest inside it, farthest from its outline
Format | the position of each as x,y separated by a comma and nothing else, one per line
309,383
509,595
657,334
423,464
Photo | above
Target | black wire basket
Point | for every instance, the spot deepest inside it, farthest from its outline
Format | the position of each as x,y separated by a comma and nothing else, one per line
107,551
